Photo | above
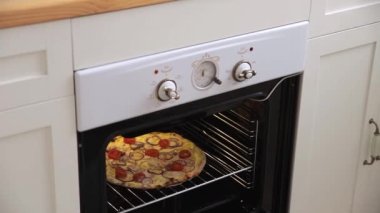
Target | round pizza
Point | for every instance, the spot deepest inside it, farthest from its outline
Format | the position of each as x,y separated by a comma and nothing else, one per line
153,160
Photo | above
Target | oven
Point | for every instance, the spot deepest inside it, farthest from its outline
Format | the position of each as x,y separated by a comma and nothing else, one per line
234,98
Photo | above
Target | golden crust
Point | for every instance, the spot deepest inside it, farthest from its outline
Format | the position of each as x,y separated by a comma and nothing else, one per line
157,171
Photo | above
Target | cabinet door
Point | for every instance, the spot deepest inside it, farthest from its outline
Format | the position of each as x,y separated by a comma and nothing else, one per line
38,158
367,192
337,97
35,63
336,15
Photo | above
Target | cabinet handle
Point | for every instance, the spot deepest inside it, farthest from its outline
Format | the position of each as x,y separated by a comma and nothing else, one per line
376,137
372,145
377,132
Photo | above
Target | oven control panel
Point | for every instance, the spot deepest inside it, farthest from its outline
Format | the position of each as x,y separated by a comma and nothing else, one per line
127,89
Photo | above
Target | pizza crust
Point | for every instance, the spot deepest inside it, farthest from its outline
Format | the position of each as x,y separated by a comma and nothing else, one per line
153,160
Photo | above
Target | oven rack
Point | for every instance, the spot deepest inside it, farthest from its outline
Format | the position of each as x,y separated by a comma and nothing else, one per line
229,153
122,200
232,145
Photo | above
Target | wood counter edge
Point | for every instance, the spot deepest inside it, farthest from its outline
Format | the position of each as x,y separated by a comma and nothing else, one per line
17,14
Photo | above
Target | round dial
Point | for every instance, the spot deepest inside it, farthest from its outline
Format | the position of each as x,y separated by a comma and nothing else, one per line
205,74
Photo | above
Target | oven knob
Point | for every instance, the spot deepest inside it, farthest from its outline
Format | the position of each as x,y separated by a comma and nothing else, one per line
167,90
243,70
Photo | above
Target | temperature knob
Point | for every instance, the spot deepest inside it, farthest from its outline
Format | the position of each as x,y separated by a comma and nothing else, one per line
243,70
167,90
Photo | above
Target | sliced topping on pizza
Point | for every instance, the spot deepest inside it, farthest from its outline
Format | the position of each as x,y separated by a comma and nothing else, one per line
137,145
153,140
117,163
136,155
138,177
182,162
120,173
184,154
152,153
164,143
174,142
147,163
147,181
177,165
129,140
114,154
123,175
156,171
151,165
132,166
166,155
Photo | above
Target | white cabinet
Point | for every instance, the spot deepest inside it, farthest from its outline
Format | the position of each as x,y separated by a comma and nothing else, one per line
367,191
38,158
340,93
336,15
38,145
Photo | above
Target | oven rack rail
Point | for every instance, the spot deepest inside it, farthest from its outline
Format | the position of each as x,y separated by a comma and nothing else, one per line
125,199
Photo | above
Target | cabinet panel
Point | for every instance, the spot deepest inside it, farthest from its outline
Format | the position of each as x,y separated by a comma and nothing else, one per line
36,63
336,15
336,96
27,178
23,67
38,158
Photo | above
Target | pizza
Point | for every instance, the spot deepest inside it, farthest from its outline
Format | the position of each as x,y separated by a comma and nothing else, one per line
153,160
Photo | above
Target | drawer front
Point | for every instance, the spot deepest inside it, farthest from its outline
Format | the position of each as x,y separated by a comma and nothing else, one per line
35,63
38,155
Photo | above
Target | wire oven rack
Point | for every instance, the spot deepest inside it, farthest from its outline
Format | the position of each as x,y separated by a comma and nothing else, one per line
228,155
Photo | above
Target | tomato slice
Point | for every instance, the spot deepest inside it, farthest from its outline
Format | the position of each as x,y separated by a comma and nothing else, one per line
164,143
182,162
114,154
184,154
138,177
129,140
120,173
175,166
152,153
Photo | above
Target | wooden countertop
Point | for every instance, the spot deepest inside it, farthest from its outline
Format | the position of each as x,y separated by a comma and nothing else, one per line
22,12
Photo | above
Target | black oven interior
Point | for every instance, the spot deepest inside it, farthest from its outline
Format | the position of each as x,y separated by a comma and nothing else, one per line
246,136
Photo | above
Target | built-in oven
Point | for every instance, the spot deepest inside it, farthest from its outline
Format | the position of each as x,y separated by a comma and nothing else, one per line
235,98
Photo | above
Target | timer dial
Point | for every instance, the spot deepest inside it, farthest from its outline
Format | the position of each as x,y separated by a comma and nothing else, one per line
167,90
243,71
205,74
